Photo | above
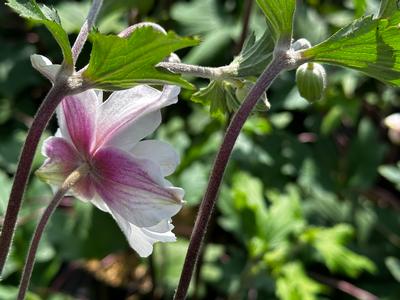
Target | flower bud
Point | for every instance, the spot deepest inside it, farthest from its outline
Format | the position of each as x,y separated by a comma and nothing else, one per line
311,81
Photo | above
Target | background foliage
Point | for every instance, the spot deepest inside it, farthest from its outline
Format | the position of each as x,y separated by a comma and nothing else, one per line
310,199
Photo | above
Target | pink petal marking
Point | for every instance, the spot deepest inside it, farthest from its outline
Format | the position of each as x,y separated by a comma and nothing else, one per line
133,188
124,108
77,120
61,160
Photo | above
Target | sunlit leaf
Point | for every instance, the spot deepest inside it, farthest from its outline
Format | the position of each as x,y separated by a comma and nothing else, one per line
120,63
29,9
369,45
279,15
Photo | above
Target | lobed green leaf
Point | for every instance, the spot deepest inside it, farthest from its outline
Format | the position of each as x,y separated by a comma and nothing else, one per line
369,45
47,16
120,63
279,15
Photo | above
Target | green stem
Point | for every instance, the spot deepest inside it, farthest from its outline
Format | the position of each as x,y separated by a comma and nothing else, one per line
199,71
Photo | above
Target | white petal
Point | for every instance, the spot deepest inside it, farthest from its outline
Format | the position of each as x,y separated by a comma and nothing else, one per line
130,115
393,121
160,152
142,239
45,66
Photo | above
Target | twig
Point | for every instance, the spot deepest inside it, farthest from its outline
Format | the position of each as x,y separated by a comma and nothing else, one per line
345,287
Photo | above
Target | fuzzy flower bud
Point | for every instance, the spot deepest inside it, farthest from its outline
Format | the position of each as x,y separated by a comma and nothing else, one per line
311,81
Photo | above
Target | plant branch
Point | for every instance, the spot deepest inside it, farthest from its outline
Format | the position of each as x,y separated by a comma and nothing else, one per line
69,182
199,71
43,115
345,287
248,5
221,161
85,29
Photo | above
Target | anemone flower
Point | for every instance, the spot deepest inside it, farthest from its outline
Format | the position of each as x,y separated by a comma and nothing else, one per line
126,174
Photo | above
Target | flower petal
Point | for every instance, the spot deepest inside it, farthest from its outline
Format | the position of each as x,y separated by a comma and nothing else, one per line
132,114
134,188
45,67
61,160
393,121
77,119
141,239
160,152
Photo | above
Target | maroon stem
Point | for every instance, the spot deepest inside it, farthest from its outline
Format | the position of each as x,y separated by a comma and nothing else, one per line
39,124
248,5
345,287
69,182
30,259
221,161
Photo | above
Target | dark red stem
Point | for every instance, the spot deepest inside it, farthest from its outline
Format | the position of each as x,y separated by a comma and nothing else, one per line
43,115
221,161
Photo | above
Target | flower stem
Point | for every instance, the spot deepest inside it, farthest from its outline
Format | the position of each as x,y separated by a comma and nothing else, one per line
86,27
70,181
217,173
43,116
199,71
46,110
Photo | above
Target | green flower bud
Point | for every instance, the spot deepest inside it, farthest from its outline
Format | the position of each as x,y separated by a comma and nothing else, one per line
311,81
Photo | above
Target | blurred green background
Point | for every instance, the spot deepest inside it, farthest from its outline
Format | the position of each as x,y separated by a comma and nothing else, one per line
310,202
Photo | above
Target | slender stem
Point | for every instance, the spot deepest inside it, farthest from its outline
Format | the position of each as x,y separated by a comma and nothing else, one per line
39,123
345,287
248,5
199,71
221,161
55,95
86,27
70,181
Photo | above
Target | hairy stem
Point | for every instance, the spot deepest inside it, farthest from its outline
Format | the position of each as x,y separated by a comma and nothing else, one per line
248,5
199,71
217,173
46,110
70,181
55,95
85,29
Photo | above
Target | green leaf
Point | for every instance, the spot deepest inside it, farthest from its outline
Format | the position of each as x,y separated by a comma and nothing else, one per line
255,55
369,45
330,243
42,14
387,8
393,264
120,63
391,173
294,283
279,15
214,95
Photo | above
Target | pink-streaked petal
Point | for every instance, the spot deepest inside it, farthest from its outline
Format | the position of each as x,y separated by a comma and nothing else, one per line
77,116
141,239
134,188
160,152
45,67
123,110
128,137
61,160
